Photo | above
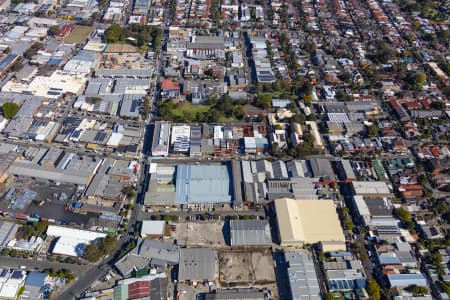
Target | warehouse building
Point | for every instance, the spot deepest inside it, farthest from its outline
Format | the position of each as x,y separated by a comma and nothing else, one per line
321,168
207,184
309,222
237,182
241,294
250,233
148,252
404,280
72,169
53,86
71,241
303,283
197,265
160,141
8,232
371,189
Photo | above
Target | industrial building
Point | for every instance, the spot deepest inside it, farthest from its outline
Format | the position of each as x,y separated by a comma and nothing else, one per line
371,189
153,229
250,233
404,280
203,184
148,252
303,222
321,168
234,294
160,141
376,213
8,232
197,265
71,168
71,241
52,87
303,283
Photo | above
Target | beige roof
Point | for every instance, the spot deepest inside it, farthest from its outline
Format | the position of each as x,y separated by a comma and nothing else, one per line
371,188
308,222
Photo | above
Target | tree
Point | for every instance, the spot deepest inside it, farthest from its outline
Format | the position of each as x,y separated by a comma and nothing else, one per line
10,109
53,30
403,215
130,191
417,290
96,250
373,289
92,252
372,131
263,101
114,34
146,106
95,100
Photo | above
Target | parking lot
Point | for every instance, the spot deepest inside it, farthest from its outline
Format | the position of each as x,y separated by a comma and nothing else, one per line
40,199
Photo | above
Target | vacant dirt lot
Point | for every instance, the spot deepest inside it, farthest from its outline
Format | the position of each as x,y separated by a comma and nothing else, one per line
244,267
207,234
122,48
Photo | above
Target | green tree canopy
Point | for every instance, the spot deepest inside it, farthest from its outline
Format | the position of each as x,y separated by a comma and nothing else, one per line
373,289
264,101
114,34
403,215
10,109
53,30
417,290
96,250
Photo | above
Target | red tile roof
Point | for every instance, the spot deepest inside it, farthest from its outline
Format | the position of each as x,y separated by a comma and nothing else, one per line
169,85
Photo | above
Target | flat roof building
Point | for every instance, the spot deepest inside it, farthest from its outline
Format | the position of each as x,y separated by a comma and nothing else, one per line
250,233
71,241
203,184
302,276
8,232
197,265
371,189
152,228
309,222
160,142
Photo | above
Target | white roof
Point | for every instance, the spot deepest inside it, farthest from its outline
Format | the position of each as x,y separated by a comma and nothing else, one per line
9,290
152,227
48,86
72,241
115,138
370,187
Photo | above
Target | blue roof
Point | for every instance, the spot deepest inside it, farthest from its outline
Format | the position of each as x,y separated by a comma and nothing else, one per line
36,279
203,184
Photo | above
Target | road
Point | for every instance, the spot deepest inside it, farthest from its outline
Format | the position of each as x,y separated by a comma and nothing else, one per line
82,283
32,264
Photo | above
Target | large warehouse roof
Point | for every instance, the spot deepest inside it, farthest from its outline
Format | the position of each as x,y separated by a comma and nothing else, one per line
203,184
250,233
72,241
197,264
309,222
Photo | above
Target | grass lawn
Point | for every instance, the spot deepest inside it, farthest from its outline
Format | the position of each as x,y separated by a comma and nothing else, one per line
274,95
181,108
78,35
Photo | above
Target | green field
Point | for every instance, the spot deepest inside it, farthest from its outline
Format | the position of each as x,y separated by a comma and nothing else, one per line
78,35
187,107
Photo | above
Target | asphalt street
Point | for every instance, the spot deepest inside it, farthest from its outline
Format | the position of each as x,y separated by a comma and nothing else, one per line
32,264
